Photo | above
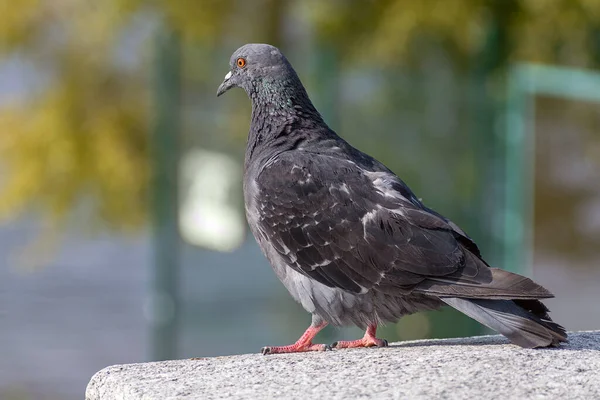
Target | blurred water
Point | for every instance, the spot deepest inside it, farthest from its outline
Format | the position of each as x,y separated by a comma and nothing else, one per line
77,314
84,310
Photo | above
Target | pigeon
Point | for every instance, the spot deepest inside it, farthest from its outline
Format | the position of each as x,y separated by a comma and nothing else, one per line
348,238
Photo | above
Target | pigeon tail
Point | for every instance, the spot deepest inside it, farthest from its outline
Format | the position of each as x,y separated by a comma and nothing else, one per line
525,322
493,284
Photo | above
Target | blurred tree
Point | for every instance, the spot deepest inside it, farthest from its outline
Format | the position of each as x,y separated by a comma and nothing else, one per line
82,135
547,31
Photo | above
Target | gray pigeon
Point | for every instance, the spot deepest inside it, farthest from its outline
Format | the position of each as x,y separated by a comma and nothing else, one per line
348,238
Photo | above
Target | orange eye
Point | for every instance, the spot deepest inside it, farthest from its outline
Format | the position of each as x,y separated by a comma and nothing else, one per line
241,63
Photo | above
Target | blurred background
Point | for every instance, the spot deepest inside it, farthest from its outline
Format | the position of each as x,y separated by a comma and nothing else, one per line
123,237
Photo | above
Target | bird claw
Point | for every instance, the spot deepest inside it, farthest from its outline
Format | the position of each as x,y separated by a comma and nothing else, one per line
369,342
294,349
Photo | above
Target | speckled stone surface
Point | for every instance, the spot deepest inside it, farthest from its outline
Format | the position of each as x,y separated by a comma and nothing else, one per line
480,367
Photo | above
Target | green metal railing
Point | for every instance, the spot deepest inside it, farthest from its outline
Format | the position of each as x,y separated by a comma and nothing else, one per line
163,296
525,82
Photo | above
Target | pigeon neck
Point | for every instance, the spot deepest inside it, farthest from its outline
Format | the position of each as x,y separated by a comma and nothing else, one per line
280,111
278,100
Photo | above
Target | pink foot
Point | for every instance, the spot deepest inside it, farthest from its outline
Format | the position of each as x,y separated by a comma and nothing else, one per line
364,342
294,348
303,344
369,340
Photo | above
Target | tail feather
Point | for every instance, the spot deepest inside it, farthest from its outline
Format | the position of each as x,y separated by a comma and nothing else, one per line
525,322
502,285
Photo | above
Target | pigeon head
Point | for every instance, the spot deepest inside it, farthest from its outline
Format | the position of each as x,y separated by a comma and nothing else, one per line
255,67
278,98
270,82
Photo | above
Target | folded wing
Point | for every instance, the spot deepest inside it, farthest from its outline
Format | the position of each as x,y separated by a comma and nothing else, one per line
360,230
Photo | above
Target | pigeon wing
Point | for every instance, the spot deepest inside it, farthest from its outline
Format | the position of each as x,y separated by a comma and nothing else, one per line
353,229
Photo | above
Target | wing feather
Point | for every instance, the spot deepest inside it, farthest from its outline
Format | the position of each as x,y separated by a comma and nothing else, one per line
337,224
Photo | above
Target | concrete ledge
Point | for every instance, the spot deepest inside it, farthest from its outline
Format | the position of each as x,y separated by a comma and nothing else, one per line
480,367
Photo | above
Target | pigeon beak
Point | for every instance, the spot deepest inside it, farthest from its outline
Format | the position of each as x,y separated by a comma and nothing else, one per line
226,85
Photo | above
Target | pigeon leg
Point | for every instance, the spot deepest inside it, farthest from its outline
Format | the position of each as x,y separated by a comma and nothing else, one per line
302,344
369,340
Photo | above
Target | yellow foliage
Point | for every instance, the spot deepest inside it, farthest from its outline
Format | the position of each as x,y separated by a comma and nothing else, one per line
18,21
385,30
84,139
556,30
203,20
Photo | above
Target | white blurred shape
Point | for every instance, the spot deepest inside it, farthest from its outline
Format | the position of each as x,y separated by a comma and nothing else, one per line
210,213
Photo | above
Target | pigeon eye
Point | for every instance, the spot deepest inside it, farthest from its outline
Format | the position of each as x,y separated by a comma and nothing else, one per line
241,62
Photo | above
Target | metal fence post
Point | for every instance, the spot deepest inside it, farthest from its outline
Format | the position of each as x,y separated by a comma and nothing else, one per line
526,81
164,275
